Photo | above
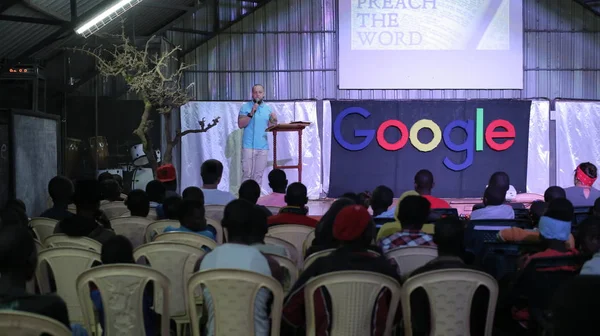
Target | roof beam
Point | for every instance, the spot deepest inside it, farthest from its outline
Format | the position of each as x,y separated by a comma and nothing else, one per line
189,31
4,5
165,5
25,19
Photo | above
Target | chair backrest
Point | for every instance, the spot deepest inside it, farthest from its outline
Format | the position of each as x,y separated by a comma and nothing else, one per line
522,214
274,210
30,286
218,227
114,209
66,263
122,288
62,240
290,268
177,261
192,239
133,228
289,247
233,294
436,214
43,227
156,228
214,212
452,290
353,295
308,242
72,208
292,233
409,259
17,323
311,258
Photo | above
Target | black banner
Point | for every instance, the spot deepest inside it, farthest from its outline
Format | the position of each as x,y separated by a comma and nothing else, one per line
461,142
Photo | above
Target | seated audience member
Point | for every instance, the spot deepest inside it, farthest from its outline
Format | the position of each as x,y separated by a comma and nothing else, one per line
138,203
60,189
423,185
413,212
84,223
596,207
106,176
18,260
111,191
381,201
395,226
170,208
168,177
575,307
237,254
355,230
495,207
278,183
553,193
583,193
362,198
502,181
191,219
589,236
17,205
156,192
193,194
211,172
118,250
296,211
250,192
324,231
119,180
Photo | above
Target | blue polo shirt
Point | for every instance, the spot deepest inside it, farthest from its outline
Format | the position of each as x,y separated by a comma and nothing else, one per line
255,136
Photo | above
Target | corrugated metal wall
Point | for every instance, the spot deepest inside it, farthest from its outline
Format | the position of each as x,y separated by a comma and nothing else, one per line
290,46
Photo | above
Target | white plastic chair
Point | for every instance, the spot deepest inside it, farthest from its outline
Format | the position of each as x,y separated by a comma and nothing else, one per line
214,212
292,252
353,295
133,228
62,240
114,209
409,259
66,263
311,258
177,261
156,228
18,323
308,242
72,208
274,210
42,227
217,225
291,270
451,293
293,233
122,289
192,239
30,285
233,293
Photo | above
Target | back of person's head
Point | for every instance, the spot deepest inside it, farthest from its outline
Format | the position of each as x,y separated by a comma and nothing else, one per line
556,222
171,207
553,193
156,191
382,198
61,190
537,210
138,203
449,236
353,226
352,196
18,255
324,230
500,180
17,204
574,306
424,181
192,215
413,212
105,177
244,221
589,169
296,195
13,216
494,195
193,194
117,250
110,190
560,209
249,191
87,195
596,208
588,235
211,171
168,176
278,181
119,180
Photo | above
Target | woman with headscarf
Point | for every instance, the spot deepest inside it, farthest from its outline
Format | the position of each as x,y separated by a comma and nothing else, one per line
582,193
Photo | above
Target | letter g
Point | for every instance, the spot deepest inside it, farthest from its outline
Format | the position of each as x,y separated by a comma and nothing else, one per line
366,134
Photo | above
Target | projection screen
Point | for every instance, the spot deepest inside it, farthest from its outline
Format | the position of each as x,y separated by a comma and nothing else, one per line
430,44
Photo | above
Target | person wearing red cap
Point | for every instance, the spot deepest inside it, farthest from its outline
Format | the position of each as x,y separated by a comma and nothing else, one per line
168,176
355,230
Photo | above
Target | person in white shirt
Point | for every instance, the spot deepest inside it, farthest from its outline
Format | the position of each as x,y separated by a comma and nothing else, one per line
211,172
495,207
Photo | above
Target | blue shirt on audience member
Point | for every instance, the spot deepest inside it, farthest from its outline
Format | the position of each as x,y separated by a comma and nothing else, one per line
205,233
255,136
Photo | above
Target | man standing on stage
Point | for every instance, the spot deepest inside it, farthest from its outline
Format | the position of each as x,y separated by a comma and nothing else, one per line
255,117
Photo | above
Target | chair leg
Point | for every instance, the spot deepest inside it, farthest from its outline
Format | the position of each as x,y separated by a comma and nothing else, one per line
178,328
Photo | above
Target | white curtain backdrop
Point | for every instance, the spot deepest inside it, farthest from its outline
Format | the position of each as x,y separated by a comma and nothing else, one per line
224,143
577,138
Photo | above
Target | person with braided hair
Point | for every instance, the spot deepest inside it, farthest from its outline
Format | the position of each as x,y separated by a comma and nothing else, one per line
583,193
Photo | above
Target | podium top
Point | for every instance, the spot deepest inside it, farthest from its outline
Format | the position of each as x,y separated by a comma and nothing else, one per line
293,126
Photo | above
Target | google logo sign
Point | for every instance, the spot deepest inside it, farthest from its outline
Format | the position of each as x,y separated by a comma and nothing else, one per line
499,135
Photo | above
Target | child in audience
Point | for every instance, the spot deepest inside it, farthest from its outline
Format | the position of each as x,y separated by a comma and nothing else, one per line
250,192
278,183
191,219
61,191
212,172
193,194
589,236
382,199
324,231
118,250
138,203
355,230
296,211
583,193
412,213
495,207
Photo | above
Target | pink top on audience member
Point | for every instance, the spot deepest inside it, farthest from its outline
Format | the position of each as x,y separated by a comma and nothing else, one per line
273,199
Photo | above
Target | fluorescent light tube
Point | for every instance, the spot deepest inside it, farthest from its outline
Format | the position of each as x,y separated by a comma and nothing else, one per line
111,13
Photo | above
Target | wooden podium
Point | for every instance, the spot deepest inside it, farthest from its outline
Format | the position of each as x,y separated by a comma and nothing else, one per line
294,126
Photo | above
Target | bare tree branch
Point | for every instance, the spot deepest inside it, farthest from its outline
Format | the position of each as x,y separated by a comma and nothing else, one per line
203,128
